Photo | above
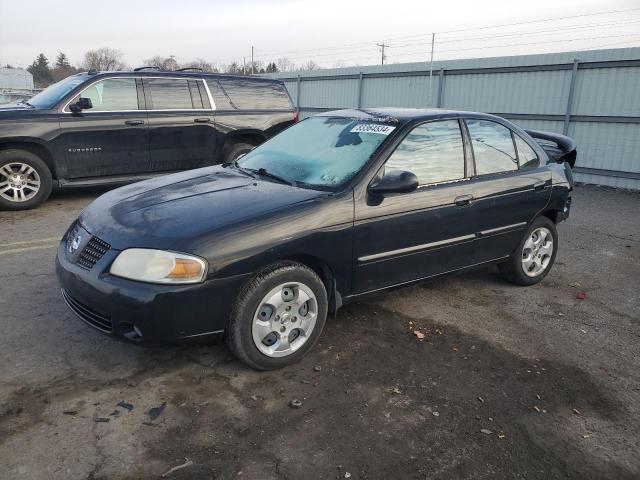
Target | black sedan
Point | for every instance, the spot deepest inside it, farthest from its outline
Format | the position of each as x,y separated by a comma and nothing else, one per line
339,206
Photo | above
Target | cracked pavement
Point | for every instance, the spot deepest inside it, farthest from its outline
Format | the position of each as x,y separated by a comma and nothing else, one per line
553,379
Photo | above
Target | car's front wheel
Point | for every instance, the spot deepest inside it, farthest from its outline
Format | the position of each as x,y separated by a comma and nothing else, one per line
25,180
278,316
535,255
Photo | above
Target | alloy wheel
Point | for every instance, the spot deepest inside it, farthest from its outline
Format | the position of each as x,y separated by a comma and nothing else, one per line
537,252
19,182
284,319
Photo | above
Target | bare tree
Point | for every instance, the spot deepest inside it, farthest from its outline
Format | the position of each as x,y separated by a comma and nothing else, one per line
203,64
163,63
104,58
311,65
285,65
234,68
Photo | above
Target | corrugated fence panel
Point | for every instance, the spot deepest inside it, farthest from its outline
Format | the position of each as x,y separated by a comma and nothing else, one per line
521,92
531,90
608,91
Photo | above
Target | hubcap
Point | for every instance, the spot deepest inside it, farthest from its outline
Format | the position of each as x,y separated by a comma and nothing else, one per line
537,252
19,182
284,319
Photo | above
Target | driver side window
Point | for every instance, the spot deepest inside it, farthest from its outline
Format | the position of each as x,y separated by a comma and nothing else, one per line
112,95
433,151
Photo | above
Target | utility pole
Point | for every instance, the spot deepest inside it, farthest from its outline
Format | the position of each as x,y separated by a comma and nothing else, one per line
382,46
252,62
244,65
433,41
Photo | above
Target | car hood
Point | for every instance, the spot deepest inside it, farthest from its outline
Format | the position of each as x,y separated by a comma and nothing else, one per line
172,211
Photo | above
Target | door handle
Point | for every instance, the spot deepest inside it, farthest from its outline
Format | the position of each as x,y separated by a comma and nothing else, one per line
463,200
134,123
202,120
539,186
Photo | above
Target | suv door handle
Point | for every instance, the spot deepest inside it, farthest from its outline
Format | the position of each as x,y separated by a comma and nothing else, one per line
134,123
202,120
463,200
539,186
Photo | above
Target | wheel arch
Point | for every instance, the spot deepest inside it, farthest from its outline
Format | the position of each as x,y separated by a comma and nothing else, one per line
33,147
324,271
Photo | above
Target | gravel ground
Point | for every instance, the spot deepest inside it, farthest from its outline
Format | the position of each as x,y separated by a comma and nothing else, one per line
508,382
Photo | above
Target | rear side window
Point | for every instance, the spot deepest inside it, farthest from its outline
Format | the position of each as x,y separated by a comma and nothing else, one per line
433,152
493,147
169,94
527,157
220,98
251,95
112,95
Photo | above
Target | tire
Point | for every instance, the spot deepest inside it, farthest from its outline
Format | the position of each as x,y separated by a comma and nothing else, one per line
541,256
286,284
25,180
234,151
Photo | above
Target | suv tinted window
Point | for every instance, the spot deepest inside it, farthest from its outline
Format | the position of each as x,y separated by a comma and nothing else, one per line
220,97
527,157
433,151
251,95
169,93
111,95
493,147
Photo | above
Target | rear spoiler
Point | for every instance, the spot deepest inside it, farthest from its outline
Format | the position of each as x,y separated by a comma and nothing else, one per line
560,148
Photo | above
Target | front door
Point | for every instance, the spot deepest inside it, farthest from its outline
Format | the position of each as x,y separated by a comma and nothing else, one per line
111,137
181,124
404,237
511,187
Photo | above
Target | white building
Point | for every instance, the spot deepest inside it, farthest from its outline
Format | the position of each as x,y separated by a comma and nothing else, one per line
15,79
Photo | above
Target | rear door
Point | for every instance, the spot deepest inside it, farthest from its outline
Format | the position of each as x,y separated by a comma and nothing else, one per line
111,138
181,124
510,187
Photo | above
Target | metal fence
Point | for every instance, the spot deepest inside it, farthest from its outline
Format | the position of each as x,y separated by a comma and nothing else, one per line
591,96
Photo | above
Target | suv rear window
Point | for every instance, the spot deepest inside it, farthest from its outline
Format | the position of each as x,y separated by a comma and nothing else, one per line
169,94
238,94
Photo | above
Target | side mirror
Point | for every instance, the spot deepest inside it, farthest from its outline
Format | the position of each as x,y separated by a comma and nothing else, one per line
82,104
395,181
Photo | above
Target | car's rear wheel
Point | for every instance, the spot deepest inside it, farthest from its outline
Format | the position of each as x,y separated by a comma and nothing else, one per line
235,151
278,316
25,180
535,255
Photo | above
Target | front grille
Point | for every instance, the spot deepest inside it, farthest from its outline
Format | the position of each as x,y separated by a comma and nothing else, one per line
93,252
96,320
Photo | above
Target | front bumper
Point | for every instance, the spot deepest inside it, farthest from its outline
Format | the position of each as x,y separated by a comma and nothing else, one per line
142,312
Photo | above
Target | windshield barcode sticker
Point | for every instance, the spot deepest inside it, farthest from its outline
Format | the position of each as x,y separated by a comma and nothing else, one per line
373,128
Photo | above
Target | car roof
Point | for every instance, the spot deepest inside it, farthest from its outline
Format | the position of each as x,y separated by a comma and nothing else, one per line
404,115
164,73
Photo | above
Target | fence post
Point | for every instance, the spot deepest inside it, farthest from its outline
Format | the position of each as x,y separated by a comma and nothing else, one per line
360,90
298,94
572,86
440,87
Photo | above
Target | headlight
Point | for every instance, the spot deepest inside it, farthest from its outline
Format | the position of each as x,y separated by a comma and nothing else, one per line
158,266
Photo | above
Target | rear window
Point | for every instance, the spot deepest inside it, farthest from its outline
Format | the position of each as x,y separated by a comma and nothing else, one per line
169,94
239,94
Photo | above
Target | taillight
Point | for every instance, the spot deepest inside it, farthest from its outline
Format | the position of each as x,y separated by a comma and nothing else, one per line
296,117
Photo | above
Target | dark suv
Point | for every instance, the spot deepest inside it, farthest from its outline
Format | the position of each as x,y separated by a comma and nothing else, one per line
99,128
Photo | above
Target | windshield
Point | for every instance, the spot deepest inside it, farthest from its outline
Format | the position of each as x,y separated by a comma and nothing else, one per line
322,152
54,93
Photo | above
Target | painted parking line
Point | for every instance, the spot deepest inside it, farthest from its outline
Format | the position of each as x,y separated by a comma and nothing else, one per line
29,245
30,242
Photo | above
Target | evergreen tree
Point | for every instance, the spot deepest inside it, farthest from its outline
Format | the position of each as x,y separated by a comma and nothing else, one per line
271,67
40,71
62,61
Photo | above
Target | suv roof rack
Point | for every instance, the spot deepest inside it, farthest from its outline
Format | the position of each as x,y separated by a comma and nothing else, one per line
185,69
155,67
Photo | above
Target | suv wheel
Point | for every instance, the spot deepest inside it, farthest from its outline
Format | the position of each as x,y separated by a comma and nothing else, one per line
236,150
535,254
278,316
25,180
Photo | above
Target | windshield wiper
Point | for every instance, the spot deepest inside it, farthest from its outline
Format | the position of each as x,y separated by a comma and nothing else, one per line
237,166
24,102
264,173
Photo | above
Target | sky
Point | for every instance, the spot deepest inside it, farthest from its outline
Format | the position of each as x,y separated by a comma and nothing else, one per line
329,32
